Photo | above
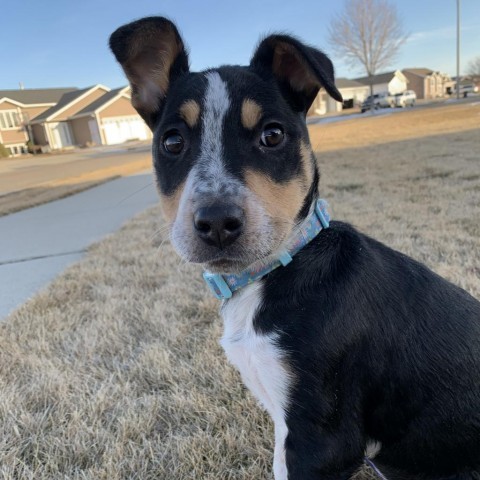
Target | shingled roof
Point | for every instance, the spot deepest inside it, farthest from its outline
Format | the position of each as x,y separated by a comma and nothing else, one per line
347,83
422,72
65,100
35,96
380,78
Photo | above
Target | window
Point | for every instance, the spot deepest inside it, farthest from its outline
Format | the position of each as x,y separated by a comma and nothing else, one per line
17,149
9,119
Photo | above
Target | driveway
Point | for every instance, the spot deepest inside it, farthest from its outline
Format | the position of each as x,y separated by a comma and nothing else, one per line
39,243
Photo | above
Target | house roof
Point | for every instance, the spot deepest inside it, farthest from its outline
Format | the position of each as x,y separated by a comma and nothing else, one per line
100,102
380,78
34,96
65,100
347,83
422,72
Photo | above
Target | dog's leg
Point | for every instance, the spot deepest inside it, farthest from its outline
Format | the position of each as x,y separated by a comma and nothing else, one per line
279,461
312,453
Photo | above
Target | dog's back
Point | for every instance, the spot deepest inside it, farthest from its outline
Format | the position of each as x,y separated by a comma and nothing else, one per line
393,354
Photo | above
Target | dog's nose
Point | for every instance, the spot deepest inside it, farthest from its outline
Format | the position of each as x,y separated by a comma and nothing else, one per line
219,225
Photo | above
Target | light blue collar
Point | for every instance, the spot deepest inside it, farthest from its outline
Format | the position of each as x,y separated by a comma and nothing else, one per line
223,286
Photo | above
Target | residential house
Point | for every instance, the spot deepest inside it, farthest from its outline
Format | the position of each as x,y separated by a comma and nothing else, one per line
18,108
427,83
52,127
109,120
92,116
353,94
60,118
391,82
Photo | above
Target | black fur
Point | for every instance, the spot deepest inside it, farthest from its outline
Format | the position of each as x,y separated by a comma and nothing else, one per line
148,33
381,348
308,57
240,145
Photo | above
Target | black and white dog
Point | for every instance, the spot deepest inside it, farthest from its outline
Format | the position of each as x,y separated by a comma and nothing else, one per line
347,343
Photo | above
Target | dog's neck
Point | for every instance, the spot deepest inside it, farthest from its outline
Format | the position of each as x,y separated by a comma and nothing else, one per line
223,286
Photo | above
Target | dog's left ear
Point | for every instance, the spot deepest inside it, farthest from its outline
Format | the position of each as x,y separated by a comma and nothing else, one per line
303,69
152,55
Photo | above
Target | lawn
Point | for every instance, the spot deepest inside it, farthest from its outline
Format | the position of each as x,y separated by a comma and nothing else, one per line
114,371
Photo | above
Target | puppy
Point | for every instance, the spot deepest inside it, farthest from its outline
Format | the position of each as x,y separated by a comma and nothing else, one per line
344,341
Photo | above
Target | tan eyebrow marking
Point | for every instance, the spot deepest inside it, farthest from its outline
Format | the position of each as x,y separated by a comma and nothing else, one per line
190,112
306,156
251,113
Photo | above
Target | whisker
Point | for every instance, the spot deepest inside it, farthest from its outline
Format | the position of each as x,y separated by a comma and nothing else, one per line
134,193
160,231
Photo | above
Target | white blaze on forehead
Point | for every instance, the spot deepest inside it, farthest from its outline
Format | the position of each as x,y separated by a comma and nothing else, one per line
215,106
208,176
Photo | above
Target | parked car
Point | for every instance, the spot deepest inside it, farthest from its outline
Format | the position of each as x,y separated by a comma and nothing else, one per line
385,100
370,102
379,100
467,88
405,99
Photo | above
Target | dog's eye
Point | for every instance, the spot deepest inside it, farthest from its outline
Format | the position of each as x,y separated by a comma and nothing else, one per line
173,142
272,135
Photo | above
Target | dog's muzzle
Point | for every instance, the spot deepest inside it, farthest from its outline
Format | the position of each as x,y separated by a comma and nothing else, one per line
219,225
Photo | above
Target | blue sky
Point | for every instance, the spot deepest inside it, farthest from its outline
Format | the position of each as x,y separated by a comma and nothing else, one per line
53,43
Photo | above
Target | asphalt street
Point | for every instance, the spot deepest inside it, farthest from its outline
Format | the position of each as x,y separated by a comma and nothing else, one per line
22,173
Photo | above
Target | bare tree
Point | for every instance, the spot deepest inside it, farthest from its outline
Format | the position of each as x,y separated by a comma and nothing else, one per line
473,69
367,33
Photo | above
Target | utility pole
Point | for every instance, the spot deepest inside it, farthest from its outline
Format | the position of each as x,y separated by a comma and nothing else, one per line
458,49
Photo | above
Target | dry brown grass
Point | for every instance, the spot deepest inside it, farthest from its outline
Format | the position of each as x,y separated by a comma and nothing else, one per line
401,125
114,371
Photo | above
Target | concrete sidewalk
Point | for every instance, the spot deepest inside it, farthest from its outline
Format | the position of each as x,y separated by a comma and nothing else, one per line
39,243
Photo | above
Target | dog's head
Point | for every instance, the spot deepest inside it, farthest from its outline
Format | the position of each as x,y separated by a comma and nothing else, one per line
231,150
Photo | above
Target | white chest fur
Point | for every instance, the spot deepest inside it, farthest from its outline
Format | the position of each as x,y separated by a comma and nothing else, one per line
257,357
259,361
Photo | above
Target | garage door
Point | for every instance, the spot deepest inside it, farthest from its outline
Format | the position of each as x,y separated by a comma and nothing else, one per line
119,130
61,135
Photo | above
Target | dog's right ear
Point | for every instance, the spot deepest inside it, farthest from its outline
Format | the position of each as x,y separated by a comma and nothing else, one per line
152,55
303,69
